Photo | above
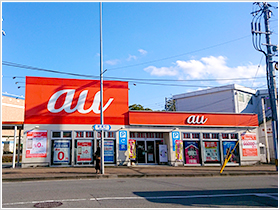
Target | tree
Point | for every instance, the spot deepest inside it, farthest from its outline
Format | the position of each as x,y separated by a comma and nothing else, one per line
138,107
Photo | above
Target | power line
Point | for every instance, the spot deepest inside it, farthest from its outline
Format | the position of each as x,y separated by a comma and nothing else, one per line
11,64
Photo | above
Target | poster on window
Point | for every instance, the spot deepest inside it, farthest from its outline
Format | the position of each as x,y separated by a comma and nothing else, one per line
109,151
191,152
228,147
179,150
163,153
211,151
84,151
36,144
249,144
61,151
132,149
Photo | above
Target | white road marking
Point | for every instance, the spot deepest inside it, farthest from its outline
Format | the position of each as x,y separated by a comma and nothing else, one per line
270,195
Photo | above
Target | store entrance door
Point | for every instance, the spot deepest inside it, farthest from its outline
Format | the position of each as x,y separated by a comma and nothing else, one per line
145,151
140,145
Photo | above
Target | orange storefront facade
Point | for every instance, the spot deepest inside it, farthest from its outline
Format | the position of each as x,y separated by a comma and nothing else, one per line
61,114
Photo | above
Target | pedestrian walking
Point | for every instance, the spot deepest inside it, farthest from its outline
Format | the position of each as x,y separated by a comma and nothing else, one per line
97,160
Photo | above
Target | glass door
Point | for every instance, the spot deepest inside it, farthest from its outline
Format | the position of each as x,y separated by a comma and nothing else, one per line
140,157
150,151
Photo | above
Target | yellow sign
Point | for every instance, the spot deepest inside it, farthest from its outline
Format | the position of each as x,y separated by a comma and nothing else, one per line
132,149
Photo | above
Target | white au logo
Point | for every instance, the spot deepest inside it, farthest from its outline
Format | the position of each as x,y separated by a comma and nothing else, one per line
196,119
80,105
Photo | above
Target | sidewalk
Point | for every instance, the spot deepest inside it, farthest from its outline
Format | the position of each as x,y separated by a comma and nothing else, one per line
48,173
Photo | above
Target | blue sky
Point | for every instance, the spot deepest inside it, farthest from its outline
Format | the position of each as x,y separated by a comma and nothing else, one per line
154,41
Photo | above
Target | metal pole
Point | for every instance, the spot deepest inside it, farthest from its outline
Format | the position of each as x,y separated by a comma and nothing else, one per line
18,155
265,133
101,91
271,83
15,146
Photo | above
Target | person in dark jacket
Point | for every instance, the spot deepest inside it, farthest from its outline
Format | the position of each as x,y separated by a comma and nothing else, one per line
98,159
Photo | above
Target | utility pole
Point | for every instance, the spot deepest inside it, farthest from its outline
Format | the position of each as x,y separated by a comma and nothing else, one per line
264,10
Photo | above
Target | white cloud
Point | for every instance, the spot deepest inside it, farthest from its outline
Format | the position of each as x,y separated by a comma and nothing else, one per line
143,52
112,62
131,57
163,71
207,67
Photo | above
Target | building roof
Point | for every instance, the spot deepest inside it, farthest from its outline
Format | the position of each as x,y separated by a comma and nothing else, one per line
215,90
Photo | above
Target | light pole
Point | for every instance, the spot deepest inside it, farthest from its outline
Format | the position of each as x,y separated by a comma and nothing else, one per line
101,90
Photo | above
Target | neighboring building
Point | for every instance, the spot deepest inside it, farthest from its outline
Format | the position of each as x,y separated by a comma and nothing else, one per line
229,99
62,117
12,115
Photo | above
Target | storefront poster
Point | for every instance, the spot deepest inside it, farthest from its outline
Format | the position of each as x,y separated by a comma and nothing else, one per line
228,147
36,144
249,144
163,153
61,151
84,150
211,151
132,149
179,150
191,152
108,151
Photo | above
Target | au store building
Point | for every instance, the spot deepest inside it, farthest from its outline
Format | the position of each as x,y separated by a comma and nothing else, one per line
60,115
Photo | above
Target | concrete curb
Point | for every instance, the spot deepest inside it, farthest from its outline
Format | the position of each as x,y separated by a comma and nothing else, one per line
108,176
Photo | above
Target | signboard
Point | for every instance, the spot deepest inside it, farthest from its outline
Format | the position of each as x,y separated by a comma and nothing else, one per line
249,144
228,147
179,150
211,151
123,140
84,151
163,153
61,151
175,136
192,152
109,151
99,127
132,149
36,144
74,101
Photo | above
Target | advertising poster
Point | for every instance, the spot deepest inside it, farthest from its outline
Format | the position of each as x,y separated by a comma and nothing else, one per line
249,144
175,136
84,151
191,152
132,149
36,144
211,151
109,151
179,150
61,151
163,153
228,146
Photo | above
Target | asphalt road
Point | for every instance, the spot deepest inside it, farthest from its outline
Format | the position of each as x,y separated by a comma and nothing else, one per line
169,192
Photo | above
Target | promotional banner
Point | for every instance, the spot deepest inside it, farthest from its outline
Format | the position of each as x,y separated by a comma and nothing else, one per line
132,149
122,140
109,151
227,147
211,151
84,151
36,144
61,151
249,144
192,152
179,150
163,153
